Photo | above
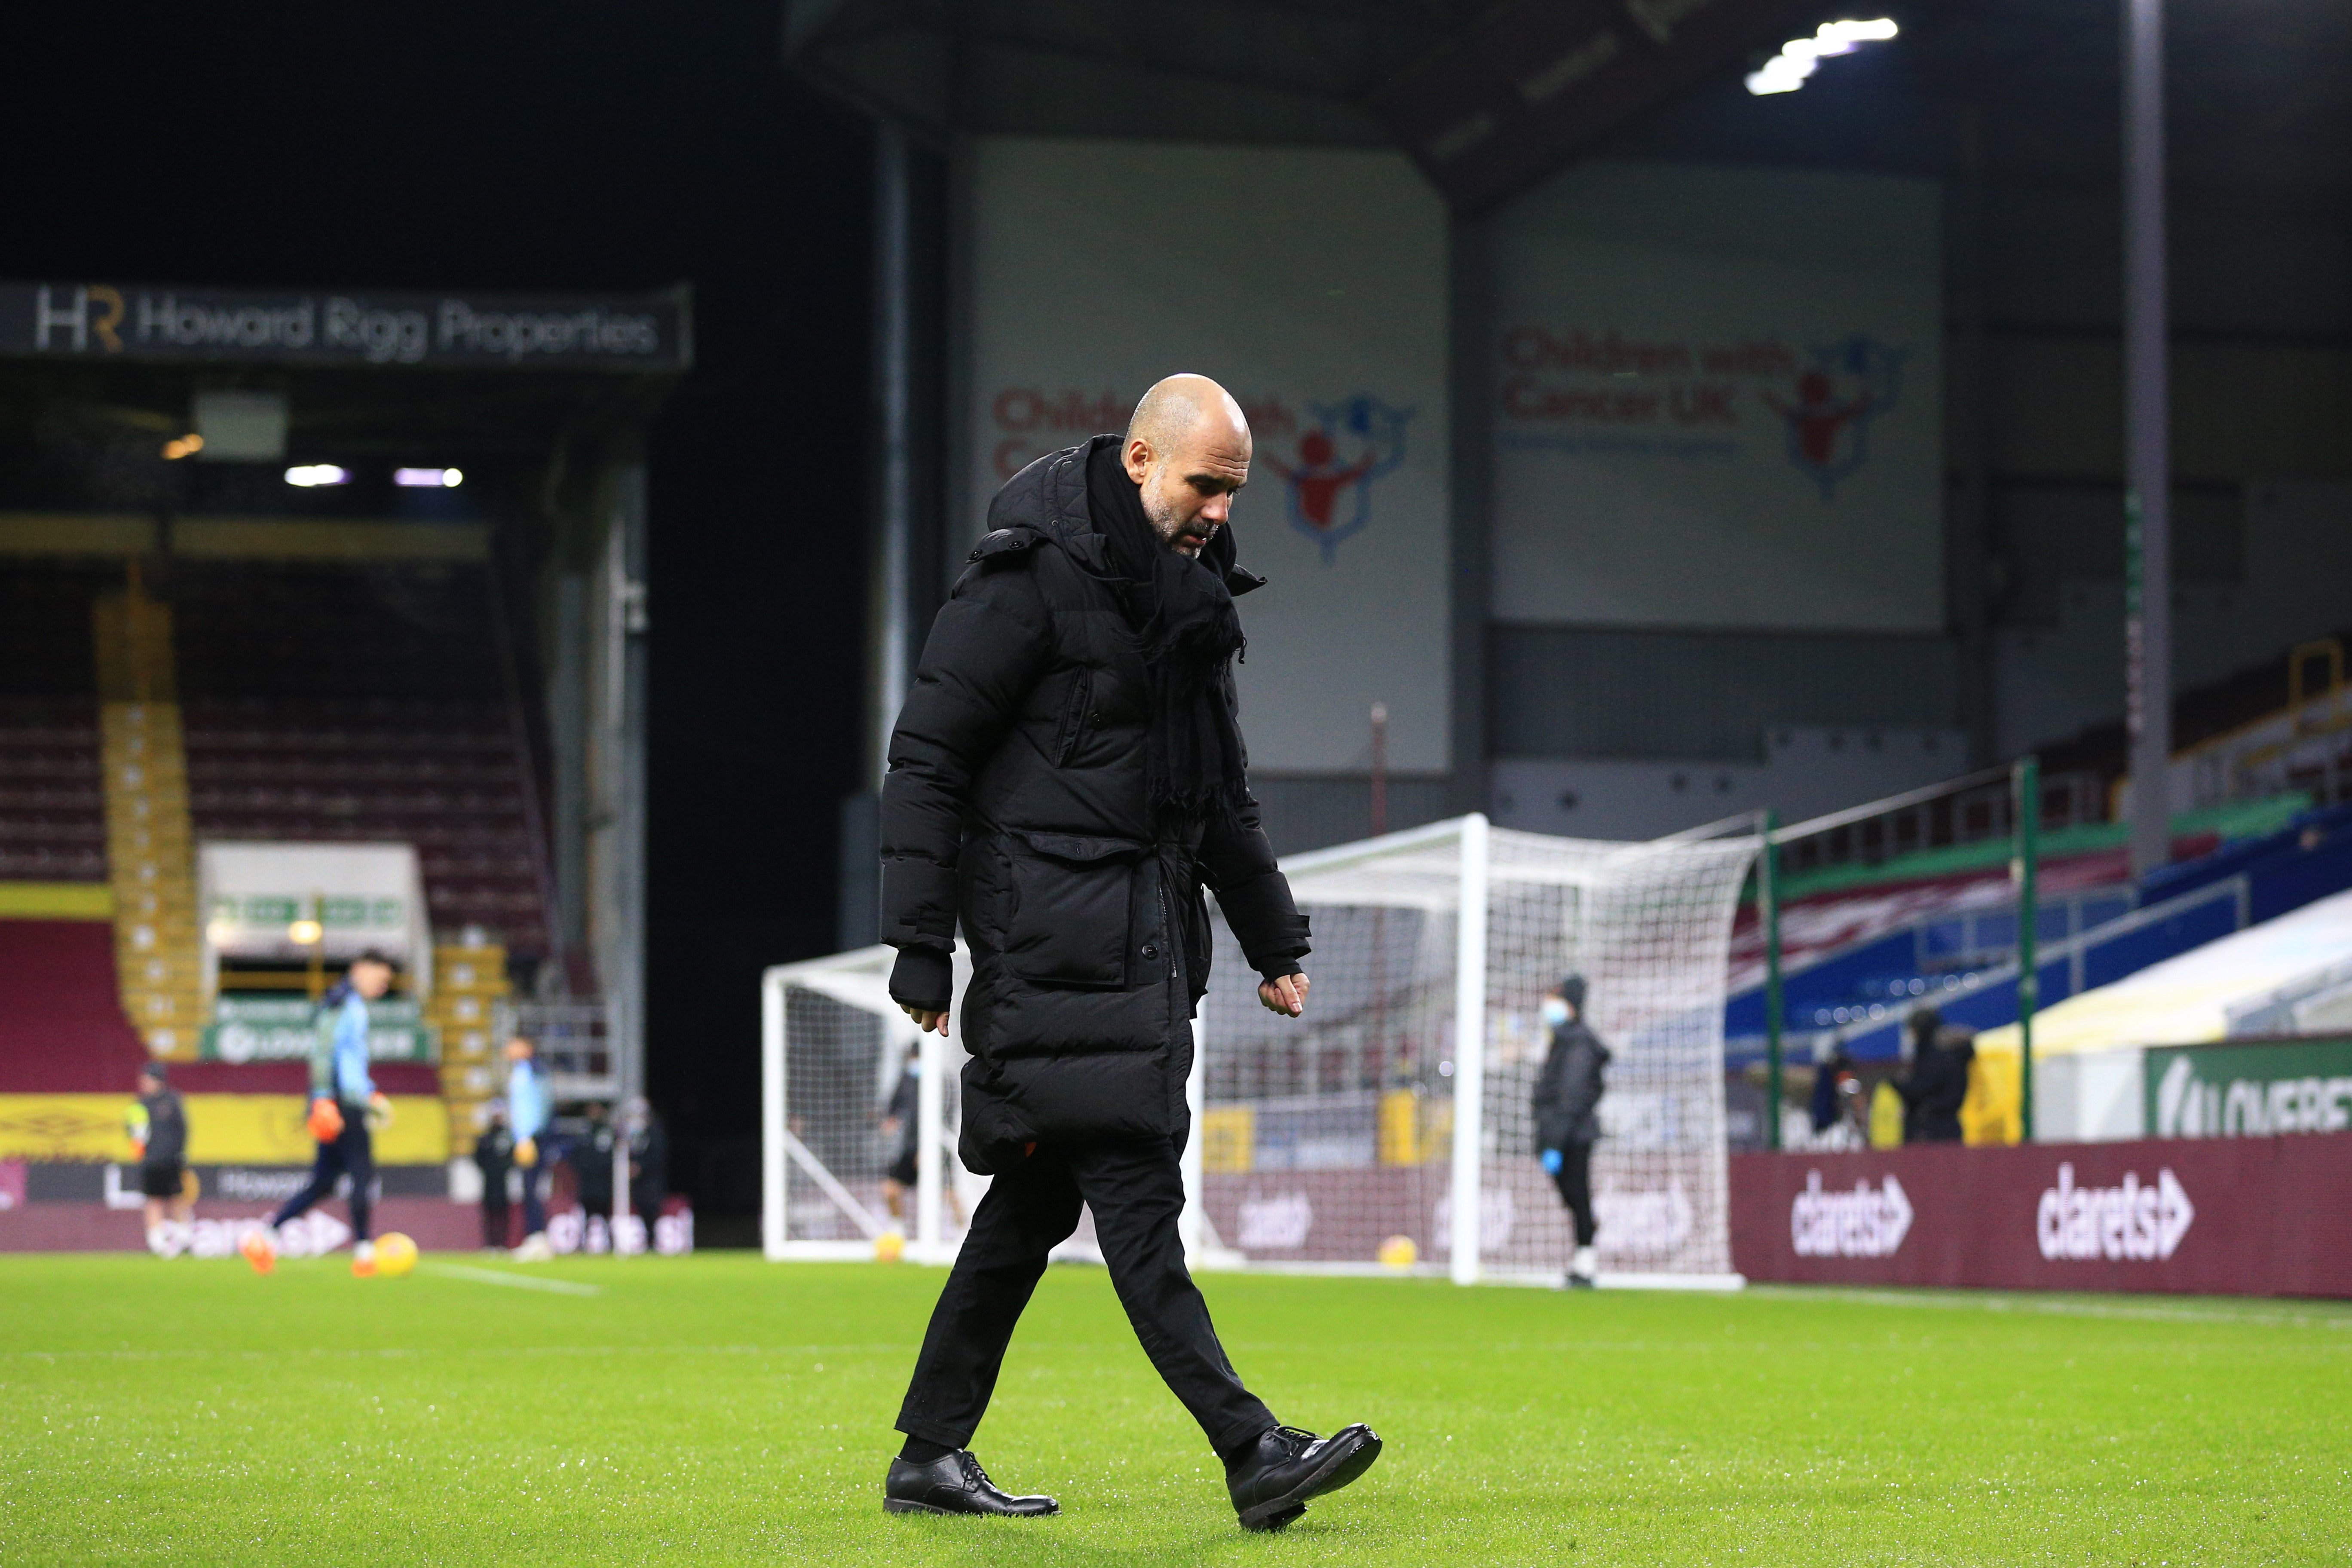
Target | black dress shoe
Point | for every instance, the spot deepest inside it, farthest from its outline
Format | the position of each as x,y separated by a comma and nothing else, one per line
954,1483
1270,1483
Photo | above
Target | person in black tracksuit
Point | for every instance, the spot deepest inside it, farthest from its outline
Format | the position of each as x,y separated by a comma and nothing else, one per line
898,1120
589,1155
1066,778
1566,1115
648,1161
160,1128
494,1156
1937,1083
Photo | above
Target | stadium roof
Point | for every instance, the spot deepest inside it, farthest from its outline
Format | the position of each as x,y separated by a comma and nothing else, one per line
1489,97
2209,992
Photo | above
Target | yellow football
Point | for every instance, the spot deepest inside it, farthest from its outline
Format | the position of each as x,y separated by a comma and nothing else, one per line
889,1246
1399,1252
395,1255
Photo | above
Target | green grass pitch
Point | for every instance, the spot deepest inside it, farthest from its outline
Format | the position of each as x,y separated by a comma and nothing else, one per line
722,1409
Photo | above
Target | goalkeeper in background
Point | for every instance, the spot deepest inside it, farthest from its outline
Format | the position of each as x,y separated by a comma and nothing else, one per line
343,1103
1567,1123
530,1109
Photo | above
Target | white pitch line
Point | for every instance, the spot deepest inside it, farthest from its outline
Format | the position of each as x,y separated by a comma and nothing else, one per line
2153,1312
520,1281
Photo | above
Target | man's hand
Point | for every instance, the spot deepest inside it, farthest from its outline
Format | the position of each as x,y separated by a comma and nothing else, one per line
926,1020
1286,996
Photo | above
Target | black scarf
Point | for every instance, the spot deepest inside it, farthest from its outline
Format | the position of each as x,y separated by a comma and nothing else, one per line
1189,632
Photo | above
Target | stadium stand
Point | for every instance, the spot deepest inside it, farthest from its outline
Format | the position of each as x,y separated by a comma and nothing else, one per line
1894,912
2278,725
1857,960
325,703
314,701
62,1030
52,818
52,814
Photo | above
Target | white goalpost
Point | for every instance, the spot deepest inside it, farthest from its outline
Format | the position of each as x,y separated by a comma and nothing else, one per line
1397,1108
833,1046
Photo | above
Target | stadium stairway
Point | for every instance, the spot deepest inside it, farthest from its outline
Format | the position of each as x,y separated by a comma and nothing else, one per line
469,981
149,847
264,700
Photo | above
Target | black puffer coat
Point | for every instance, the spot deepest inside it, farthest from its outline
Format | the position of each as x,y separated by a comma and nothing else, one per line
1015,805
1567,1101
1937,1088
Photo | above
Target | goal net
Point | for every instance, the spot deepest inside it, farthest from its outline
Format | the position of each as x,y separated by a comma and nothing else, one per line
835,1052
1400,1103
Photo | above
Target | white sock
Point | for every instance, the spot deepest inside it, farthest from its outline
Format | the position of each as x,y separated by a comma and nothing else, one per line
1581,1263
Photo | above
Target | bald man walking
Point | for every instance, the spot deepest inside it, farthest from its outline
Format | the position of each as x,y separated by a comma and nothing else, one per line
1066,778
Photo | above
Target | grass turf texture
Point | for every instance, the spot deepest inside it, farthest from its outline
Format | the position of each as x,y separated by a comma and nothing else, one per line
722,1409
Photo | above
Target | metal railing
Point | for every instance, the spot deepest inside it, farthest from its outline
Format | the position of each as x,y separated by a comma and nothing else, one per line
2074,951
574,1041
1971,809
2303,745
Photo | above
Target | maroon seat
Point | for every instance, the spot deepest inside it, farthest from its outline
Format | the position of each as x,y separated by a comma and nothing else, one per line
321,703
62,1030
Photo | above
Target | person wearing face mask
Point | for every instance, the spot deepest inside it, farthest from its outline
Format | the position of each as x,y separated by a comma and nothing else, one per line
648,1159
900,1123
1567,1101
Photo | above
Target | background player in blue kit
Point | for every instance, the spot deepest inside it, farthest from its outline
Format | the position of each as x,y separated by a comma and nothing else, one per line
343,1101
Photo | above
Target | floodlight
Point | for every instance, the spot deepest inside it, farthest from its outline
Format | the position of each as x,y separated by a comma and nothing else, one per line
428,478
310,475
1799,58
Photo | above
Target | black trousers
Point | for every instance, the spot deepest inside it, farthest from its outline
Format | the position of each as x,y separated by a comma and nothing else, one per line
494,1220
1574,1179
353,1154
1135,1190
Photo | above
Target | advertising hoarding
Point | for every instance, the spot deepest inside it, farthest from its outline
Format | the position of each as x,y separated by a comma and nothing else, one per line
283,1028
89,320
1719,400
2263,1217
2232,1090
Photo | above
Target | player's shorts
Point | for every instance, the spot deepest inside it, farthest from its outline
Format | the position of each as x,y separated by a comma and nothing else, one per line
902,1169
162,1181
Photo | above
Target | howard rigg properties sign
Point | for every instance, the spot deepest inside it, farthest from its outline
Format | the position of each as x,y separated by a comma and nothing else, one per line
108,320
2251,1216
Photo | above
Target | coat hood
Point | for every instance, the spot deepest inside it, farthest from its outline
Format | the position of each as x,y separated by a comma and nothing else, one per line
1047,499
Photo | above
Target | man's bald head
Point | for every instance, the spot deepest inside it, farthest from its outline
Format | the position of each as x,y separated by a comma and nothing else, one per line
1174,407
1188,448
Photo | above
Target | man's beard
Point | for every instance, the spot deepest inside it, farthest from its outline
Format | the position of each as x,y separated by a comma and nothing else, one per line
1174,531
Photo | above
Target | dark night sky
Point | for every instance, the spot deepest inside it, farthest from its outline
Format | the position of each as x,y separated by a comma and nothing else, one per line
588,146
